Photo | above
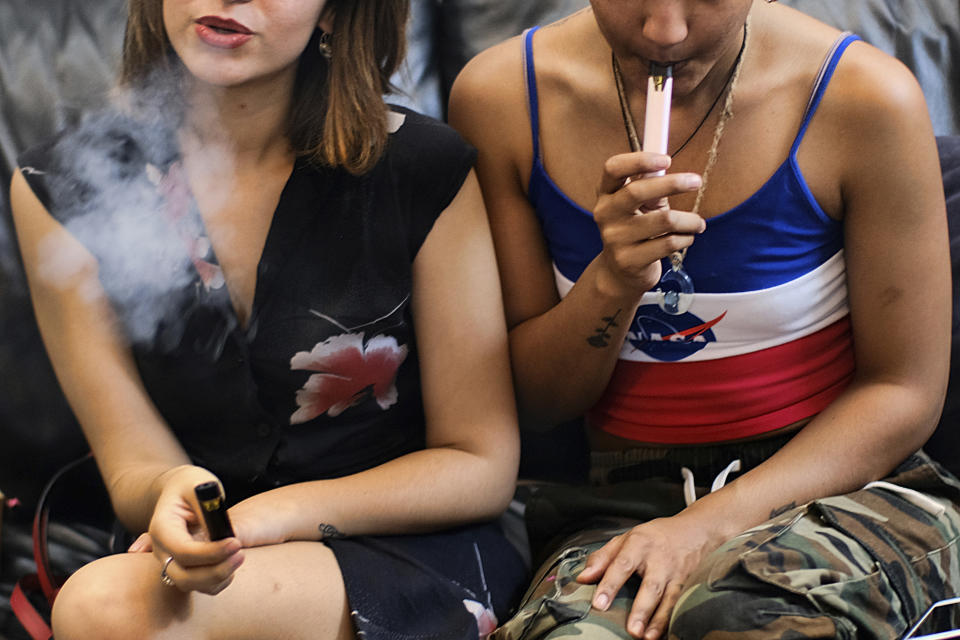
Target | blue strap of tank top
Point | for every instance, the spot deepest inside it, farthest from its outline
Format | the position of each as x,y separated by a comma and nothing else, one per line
532,91
823,79
820,86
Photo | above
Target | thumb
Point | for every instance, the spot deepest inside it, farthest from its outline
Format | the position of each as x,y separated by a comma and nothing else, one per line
143,544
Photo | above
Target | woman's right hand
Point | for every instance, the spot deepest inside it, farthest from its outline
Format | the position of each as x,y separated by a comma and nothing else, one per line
663,552
177,531
637,226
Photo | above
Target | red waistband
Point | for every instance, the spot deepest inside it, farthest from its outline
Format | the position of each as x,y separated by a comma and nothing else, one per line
729,398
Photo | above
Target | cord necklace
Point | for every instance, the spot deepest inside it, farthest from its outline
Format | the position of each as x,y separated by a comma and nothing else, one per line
635,143
675,284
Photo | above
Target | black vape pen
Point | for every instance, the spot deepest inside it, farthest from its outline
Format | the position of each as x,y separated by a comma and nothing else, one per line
214,512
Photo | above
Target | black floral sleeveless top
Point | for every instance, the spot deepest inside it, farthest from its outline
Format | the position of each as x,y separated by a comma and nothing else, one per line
324,379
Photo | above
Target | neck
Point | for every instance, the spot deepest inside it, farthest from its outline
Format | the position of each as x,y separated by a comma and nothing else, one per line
249,122
689,108
718,77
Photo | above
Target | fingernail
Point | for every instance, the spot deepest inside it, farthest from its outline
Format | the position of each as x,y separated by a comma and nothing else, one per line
661,162
652,634
692,181
601,601
636,626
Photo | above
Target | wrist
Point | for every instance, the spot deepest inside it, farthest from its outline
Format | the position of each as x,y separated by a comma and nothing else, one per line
720,517
612,287
180,476
279,515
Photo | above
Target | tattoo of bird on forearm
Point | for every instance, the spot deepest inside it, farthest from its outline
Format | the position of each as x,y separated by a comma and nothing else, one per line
601,338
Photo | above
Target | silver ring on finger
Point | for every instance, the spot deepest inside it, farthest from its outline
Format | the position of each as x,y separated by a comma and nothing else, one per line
165,578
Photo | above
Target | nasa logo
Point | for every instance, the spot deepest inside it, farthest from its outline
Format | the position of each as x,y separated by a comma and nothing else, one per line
670,338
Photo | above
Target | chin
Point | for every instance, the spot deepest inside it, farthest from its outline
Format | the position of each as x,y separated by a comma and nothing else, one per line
218,75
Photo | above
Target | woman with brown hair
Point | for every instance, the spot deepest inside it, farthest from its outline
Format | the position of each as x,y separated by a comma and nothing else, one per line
253,273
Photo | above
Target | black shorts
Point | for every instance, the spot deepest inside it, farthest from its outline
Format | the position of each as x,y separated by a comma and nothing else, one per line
451,585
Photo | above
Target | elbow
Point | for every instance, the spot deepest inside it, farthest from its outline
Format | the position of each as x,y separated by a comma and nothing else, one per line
128,515
913,409
498,482
926,402
497,502
541,412
500,498
928,421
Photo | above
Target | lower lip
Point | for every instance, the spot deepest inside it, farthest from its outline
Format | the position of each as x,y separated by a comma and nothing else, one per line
222,40
676,67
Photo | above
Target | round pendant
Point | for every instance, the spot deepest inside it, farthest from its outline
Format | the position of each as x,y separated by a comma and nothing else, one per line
676,291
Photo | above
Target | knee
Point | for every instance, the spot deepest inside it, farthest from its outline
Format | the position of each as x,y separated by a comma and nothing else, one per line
711,611
97,602
702,610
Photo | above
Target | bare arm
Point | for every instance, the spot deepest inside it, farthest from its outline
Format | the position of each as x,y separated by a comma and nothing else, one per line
132,445
563,351
466,473
898,276
468,470
898,268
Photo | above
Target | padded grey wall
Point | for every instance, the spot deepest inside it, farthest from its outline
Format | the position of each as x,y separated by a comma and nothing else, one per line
57,58
923,34
445,34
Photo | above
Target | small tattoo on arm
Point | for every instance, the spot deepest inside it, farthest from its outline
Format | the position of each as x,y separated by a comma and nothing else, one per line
781,510
329,532
601,338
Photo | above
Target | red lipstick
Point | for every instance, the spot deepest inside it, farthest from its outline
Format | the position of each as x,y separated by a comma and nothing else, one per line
222,33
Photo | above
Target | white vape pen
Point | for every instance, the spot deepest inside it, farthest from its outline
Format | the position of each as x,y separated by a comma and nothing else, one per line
656,123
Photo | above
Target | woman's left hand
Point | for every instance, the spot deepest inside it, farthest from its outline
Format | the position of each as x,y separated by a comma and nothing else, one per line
663,552
258,520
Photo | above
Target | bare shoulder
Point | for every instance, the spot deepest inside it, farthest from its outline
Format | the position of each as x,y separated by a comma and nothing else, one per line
492,87
871,139
874,108
873,87
488,89
868,84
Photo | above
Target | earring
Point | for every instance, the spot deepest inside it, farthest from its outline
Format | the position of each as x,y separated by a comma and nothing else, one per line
326,50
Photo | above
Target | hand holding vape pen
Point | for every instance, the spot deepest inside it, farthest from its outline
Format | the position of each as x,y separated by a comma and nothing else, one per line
656,124
214,511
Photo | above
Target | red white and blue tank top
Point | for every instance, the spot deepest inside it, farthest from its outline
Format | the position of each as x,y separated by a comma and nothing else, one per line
767,340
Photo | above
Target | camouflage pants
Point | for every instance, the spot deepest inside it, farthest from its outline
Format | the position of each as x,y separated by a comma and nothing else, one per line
863,565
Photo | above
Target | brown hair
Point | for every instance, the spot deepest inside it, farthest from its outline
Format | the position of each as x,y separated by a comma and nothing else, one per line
337,116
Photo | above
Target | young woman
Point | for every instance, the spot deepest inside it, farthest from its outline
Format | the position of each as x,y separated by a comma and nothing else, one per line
802,201
255,273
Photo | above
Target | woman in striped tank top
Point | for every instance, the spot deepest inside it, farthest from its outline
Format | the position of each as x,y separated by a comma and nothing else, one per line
789,395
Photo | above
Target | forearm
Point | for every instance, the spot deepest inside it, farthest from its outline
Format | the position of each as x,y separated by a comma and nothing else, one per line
131,442
134,491
422,491
859,438
563,359
134,448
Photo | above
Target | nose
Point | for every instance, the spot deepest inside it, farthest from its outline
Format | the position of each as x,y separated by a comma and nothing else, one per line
665,23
